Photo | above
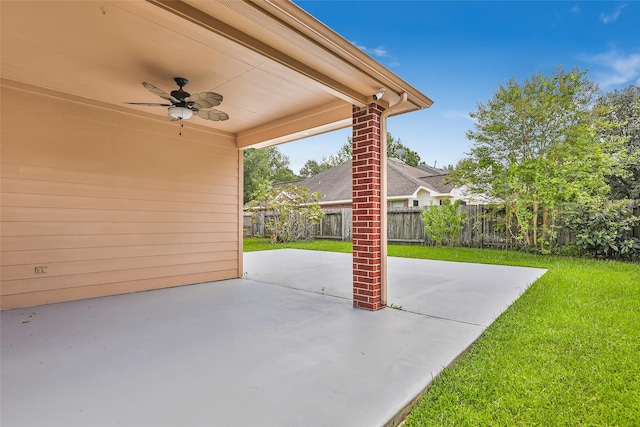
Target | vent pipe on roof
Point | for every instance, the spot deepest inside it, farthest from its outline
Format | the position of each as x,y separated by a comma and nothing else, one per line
383,194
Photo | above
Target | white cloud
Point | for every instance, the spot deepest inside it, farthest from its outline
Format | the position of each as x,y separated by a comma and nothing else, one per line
613,16
457,114
381,54
613,68
380,51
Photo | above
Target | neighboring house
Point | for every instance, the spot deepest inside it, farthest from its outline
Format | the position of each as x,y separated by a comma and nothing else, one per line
406,186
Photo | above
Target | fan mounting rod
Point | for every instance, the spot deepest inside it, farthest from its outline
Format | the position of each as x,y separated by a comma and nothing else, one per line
181,81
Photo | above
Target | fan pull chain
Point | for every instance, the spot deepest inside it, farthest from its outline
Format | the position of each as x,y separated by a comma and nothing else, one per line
181,126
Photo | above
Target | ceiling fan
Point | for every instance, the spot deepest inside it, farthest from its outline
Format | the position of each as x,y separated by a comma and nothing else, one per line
184,105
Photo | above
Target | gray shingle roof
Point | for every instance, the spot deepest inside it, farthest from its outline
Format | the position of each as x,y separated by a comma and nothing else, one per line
402,180
432,170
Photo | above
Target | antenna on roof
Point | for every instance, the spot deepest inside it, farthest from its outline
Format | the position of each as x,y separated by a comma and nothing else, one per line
434,163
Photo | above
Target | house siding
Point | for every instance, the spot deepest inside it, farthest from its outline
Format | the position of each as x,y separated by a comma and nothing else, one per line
98,202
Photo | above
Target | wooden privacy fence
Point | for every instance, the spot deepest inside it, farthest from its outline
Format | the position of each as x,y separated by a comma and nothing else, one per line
483,227
404,225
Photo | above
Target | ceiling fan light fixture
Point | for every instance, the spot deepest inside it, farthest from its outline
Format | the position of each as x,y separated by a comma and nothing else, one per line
180,113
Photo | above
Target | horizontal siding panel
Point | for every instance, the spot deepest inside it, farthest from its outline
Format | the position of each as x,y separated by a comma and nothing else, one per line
14,272
44,257
42,173
70,294
213,193
23,214
95,148
9,199
74,228
102,154
8,229
116,141
88,202
9,170
15,286
29,243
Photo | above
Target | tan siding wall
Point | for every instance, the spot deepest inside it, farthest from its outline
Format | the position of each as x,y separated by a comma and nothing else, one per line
99,202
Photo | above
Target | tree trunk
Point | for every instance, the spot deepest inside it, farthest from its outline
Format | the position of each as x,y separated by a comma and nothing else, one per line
534,221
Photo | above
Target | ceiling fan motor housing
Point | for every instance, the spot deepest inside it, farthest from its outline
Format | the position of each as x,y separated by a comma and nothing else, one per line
180,94
183,105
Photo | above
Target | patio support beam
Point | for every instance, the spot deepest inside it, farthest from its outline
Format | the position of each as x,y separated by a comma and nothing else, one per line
367,208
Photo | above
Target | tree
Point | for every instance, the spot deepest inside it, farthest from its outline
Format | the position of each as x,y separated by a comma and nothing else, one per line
537,146
256,171
343,155
396,149
622,109
311,168
264,166
287,212
279,166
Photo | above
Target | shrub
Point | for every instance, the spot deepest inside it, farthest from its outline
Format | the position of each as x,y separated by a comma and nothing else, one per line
443,223
605,230
287,212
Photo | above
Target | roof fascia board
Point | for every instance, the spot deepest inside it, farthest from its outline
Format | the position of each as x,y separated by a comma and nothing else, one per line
303,22
214,25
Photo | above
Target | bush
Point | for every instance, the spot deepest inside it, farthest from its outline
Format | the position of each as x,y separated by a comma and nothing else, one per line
605,230
443,223
287,212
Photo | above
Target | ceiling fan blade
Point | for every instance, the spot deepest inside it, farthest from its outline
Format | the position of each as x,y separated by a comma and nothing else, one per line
204,99
173,119
213,115
162,94
150,104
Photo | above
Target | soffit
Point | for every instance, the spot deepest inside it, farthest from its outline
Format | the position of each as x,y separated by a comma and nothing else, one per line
268,72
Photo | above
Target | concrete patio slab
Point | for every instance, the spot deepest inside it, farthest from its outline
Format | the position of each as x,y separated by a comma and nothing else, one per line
464,292
241,352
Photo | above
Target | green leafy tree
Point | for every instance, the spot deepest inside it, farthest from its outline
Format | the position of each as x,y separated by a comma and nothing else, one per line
537,146
312,167
396,149
287,212
279,166
264,166
622,109
343,155
444,223
256,171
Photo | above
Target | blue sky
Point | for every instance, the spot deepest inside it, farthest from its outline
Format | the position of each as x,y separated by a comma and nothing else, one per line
457,52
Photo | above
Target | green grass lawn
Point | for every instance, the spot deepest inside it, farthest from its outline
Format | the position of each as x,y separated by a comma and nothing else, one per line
566,353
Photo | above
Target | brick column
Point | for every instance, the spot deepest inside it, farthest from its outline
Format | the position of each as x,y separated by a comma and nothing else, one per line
367,249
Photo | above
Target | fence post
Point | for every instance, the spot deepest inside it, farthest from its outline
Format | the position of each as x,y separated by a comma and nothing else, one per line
343,225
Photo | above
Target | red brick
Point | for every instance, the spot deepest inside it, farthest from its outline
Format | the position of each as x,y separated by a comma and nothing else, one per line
368,293
361,298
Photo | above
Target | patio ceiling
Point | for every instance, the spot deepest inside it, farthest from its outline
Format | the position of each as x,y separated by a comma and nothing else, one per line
283,74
